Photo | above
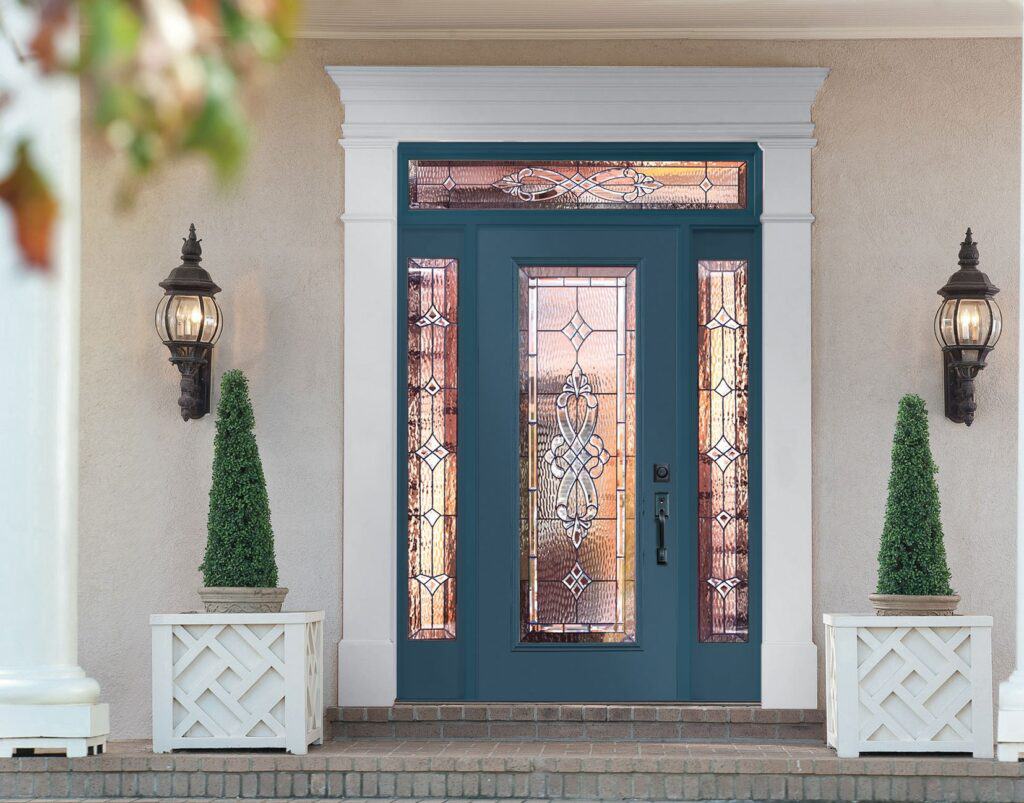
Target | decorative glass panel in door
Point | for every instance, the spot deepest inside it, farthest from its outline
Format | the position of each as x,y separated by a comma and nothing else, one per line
577,429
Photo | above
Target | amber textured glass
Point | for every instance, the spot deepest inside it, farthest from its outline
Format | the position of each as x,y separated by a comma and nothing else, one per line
577,185
577,425
722,472
433,330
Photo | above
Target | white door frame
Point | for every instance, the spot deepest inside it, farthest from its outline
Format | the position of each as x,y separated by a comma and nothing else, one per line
387,105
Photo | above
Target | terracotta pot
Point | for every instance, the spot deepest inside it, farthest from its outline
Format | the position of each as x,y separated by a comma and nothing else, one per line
231,599
914,605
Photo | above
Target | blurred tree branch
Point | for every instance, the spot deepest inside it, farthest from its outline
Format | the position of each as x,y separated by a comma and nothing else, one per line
162,78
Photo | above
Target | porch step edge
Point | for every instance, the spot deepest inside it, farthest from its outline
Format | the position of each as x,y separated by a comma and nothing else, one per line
569,722
773,773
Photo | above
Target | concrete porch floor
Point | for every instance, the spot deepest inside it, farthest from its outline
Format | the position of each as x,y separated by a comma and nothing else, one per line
463,769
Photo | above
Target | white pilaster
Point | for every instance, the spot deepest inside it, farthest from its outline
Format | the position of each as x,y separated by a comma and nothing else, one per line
1010,728
46,700
388,105
789,659
366,653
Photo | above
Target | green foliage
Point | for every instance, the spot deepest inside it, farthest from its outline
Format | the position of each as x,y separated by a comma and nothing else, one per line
161,80
240,541
912,556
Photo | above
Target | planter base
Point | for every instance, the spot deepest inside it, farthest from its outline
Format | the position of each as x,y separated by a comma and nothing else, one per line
231,599
914,605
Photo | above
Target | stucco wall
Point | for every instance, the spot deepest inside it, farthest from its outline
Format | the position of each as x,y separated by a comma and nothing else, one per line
916,141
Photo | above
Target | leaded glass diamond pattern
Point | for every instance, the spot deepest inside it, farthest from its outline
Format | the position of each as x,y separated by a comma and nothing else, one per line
432,317
723,587
577,330
722,318
432,452
723,453
576,580
432,582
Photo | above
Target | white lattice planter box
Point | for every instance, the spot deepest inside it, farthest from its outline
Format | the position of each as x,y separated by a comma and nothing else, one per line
238,680
917,684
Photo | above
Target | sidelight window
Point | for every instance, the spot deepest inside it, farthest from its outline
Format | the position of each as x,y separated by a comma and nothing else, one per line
722,435
432,395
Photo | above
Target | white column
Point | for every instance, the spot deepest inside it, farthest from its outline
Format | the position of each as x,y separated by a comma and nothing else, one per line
1010,730
45,697
367,670
789,659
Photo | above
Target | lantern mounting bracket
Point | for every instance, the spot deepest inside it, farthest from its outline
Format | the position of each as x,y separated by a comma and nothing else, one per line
196,366
958,381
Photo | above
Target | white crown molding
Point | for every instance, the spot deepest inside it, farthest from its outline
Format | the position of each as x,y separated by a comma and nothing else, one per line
607,103
324,30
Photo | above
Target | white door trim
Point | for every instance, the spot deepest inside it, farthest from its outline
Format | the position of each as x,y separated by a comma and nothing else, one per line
388,105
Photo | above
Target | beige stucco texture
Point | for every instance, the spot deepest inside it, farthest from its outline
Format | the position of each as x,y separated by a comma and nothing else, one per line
916,141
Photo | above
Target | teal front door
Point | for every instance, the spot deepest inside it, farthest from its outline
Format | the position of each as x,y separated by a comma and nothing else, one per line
579,480
578,375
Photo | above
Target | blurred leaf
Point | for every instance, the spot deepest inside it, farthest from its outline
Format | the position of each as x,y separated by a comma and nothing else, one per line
33,207
220,130
53,21
111,32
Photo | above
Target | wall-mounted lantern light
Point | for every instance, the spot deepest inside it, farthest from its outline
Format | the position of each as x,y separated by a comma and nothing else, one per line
189,322
967,327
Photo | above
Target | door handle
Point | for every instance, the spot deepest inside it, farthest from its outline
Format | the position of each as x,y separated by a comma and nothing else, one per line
660,517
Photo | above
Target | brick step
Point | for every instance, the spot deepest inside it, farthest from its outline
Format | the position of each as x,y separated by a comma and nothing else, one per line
561,722
377,768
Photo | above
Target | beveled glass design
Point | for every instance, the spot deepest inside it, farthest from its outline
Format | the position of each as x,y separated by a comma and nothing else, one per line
577,427
722,445
188,319
577,185
433,331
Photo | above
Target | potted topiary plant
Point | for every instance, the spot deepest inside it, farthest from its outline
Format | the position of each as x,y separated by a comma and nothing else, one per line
239,570
913,578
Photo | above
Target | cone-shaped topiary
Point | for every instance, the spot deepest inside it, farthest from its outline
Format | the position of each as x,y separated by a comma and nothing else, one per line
912,556
240,541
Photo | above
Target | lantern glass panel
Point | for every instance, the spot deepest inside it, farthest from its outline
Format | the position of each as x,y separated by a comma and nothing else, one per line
185,318
997,322
161,319
211,325
973,321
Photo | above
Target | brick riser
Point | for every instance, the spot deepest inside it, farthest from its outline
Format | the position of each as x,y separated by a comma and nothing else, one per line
805,774
556,722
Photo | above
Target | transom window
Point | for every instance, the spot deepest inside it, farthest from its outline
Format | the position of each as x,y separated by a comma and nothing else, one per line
460,184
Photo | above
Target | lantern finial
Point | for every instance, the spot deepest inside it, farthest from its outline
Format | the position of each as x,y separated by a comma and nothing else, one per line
969,252
191,251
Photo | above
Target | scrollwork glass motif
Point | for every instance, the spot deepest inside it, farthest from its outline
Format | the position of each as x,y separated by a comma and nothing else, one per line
577,330
432,326
577,185
722,470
